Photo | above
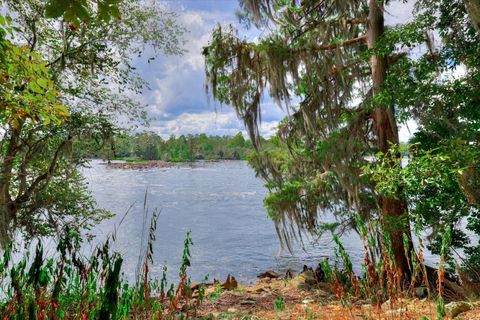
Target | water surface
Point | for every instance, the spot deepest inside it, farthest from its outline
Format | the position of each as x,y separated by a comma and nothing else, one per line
221,203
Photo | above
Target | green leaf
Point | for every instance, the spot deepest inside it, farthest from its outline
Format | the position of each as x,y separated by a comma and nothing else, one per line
42,83
35,87
54,9
82,13
103,12
62,108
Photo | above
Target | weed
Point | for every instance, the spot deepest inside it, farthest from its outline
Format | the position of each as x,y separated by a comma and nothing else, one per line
381,281
279,303
217,292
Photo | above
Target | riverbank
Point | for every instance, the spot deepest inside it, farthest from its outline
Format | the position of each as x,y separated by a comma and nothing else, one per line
302,297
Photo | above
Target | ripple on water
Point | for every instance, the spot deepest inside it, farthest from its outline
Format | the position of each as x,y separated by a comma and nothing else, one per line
221,203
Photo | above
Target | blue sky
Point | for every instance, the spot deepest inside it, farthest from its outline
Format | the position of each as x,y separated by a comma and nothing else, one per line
177,103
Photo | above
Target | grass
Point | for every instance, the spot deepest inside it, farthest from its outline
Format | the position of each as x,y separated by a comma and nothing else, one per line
217,292
380,293
381,283
71,286
135,160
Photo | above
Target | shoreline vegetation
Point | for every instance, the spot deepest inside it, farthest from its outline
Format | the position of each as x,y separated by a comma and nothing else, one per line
148,146
72,286
69,285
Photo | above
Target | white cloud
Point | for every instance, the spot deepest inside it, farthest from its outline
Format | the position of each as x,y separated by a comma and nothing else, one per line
199,123
215,123
397,12
268,129
177,102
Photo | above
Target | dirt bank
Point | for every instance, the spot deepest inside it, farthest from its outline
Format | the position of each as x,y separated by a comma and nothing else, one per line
303,298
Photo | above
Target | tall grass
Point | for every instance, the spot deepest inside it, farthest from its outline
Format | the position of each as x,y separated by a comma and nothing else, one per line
71,286
446,241
381,281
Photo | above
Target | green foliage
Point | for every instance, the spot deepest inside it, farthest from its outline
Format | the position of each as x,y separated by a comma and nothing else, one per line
238,141
66,76
69,284
446,243
346,262
325,153
149,146
431,181
78,11
317,54
327,270
441,308
28,94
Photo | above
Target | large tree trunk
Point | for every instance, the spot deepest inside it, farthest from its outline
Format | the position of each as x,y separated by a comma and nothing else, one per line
7,207
7,215
473,10
387,134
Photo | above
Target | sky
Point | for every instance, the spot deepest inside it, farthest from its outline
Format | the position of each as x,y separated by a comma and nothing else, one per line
177,102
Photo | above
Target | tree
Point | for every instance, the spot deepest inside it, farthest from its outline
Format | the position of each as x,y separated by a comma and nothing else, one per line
238,141
77,62
29,102
385,127
327,53
439,90
147,145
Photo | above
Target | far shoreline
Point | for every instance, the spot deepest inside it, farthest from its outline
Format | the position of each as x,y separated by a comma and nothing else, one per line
159,164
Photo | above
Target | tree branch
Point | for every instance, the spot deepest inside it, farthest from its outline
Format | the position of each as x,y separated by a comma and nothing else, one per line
45,176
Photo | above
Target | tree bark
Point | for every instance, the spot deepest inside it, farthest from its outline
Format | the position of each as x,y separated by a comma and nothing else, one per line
385,127
7,207
473,10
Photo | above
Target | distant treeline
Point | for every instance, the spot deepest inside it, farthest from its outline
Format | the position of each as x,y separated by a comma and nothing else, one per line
150,146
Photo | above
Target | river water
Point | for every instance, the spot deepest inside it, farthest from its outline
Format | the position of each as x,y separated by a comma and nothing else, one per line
221,203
